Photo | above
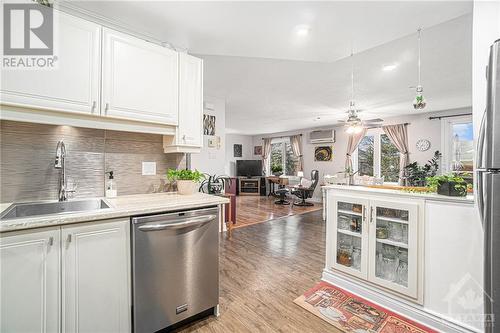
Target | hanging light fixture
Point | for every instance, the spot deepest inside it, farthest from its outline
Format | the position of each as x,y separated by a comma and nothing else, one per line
353,122
419,101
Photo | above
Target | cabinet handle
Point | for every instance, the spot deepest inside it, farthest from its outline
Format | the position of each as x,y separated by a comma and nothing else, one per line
106,107
50,242
371,214
184,137
69,238
94,104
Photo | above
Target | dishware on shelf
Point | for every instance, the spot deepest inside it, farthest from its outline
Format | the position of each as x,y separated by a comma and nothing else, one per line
356,258
344,255
382,232
402,273
344,222
403,254
388,268
404,228
395,232
389,251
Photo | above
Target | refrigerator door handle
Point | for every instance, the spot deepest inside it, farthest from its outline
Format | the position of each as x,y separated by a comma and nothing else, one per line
480,142
480,195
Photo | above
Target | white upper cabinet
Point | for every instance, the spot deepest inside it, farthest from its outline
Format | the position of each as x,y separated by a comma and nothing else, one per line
139,79
73,85
29,281
190,101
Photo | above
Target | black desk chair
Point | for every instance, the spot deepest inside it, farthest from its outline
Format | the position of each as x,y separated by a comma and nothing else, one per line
306,192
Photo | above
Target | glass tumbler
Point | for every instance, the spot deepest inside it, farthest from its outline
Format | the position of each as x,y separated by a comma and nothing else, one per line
356,258
395,232
402,273
388,268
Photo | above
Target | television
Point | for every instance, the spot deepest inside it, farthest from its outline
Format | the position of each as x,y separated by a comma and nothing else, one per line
248,168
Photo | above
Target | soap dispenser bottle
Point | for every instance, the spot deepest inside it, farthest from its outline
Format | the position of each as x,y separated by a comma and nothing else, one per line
110,185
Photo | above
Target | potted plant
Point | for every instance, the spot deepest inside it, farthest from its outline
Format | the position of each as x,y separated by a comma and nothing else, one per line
214,184
416,175
186,180
450,185
277,169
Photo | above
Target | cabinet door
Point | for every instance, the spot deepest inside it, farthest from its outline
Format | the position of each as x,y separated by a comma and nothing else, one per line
73,85
394,246
139,79
349,235
189,132
29,281
95,277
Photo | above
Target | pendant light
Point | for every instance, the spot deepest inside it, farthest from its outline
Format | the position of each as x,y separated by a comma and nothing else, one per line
353,123
419,101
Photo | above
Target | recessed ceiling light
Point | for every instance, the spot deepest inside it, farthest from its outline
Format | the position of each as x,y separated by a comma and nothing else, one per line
302,30
389,67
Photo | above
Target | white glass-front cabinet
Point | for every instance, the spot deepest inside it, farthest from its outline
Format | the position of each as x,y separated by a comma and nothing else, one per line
350,234
378,241
139,79
73,85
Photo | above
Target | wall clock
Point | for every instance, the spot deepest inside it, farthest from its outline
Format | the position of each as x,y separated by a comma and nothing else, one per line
423,144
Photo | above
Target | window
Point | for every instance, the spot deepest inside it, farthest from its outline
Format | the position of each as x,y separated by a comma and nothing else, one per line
365,156
282,155
457,143
389,160
377,156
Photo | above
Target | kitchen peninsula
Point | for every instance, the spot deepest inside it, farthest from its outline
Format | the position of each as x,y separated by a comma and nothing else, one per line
410,252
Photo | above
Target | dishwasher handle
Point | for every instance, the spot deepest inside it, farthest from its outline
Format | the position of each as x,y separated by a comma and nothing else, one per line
178,224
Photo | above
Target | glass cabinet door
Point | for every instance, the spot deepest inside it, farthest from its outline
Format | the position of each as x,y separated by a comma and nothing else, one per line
393,244
350,236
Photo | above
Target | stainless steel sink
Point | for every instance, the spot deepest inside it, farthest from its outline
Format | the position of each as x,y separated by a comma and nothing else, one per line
28,209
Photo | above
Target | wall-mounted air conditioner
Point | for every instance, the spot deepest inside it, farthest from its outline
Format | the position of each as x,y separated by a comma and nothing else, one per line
322,136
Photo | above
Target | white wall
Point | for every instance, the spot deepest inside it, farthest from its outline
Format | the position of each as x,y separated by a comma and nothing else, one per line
247,151
211,160
420,128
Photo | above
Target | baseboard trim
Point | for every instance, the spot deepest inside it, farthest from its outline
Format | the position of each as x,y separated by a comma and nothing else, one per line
403,308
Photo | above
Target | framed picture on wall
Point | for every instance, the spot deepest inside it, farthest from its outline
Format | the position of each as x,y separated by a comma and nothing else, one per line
237,150
208,124
323,154
257,150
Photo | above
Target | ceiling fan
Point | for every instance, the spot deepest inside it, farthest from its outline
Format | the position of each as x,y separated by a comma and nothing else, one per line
354,124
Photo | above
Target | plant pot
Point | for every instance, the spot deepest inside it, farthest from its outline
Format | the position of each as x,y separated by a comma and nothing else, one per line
448,188
277,174
186,187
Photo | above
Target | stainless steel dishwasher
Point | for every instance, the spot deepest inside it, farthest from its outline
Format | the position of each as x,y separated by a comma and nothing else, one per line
175,267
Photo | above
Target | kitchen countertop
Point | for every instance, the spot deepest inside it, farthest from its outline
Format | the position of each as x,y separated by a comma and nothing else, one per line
121,206
469,199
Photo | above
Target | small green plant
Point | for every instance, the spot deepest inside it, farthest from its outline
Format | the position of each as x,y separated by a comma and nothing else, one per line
416,175
214,184
196,176
276,168
460,185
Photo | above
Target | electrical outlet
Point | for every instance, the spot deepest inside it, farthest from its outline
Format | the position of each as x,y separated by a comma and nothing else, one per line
148,168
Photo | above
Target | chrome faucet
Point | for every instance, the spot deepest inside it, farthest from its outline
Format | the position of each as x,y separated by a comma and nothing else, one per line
61,164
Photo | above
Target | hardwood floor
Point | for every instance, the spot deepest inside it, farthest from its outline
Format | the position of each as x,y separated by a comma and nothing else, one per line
263,268
257,209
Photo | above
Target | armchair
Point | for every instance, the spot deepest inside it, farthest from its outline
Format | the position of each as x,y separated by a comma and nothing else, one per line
304,193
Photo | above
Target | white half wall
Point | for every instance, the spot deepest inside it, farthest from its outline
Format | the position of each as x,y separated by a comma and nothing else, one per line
211,160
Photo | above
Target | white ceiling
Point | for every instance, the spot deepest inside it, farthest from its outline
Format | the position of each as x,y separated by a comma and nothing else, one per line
273,80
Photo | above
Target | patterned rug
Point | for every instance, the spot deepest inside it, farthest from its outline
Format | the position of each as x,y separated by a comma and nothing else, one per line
351,313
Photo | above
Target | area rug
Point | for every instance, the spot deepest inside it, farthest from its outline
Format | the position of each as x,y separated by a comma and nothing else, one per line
350,313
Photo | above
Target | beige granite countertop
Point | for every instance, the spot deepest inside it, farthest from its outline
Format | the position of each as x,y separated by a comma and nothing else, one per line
427,196
121,206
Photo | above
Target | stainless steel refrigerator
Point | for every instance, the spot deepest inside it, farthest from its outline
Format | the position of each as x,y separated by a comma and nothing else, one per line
488,190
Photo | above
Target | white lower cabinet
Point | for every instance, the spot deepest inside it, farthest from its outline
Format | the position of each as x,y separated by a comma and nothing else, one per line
95,283
77,275
29,281
378,240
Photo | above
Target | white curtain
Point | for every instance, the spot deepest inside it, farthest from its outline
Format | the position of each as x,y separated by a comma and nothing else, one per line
266,152
398,134
352,144
296,143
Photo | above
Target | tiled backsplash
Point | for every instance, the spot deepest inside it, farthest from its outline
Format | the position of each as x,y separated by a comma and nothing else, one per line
28,155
